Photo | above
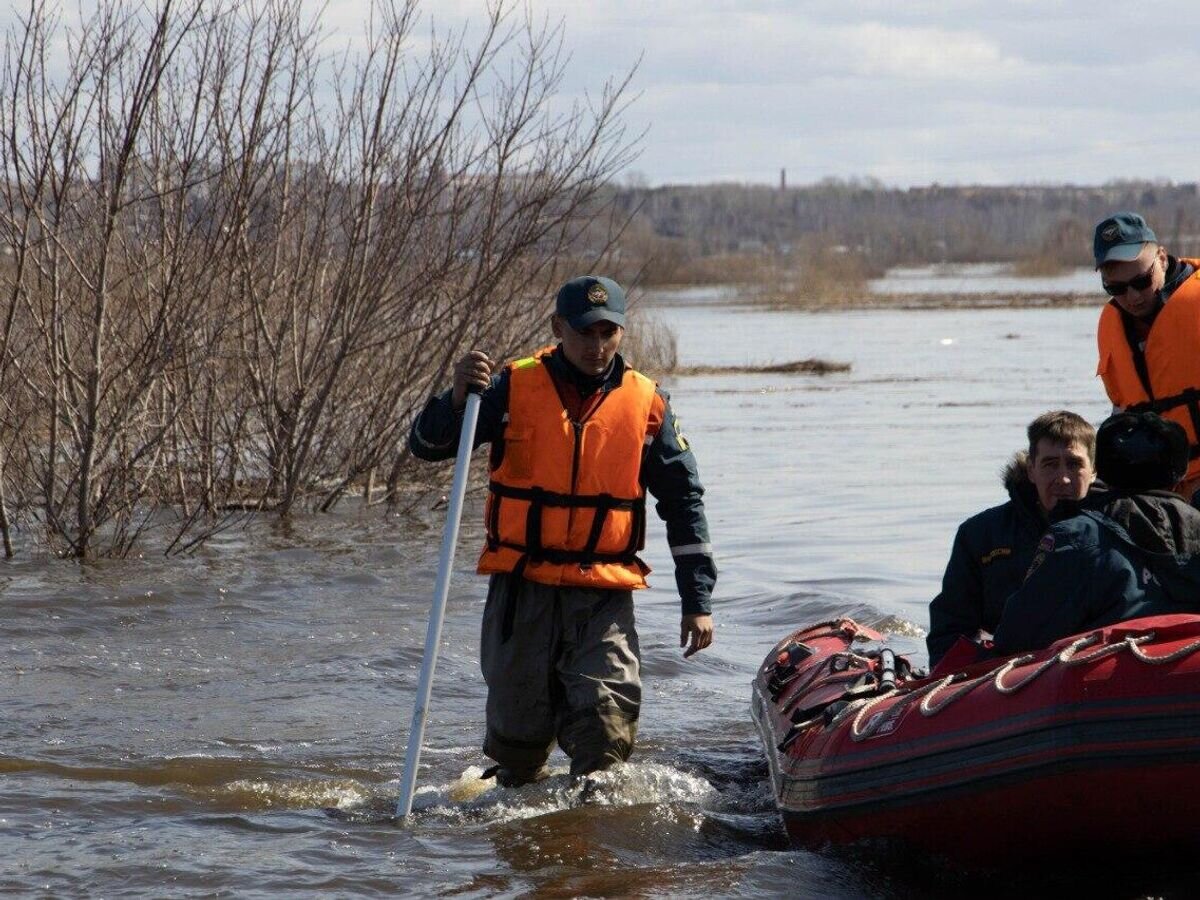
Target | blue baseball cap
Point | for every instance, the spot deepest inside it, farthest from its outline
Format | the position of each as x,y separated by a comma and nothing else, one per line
588,299
1120,238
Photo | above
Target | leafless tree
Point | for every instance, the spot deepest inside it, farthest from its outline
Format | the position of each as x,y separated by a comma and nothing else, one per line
236,266
680,232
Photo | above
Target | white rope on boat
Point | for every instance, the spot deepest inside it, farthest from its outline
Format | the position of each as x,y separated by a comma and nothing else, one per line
1068,656
1003,688
863,707
857,732
929,708
1178,653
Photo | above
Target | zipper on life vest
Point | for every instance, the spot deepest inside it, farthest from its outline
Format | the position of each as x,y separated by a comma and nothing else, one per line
577,427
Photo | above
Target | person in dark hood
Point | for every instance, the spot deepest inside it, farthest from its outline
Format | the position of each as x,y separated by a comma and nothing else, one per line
1128,550
993,549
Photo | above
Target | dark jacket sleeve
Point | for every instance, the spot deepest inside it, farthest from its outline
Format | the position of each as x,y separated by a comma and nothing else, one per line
672,478
1069,587
434,433
958,609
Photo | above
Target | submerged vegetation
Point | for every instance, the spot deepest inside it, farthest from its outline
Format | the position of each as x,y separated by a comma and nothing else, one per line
798,367
649,345
234,267
818,246
730,233
815,270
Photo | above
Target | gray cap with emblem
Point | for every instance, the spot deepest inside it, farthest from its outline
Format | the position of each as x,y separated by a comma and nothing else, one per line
588,299
1120,238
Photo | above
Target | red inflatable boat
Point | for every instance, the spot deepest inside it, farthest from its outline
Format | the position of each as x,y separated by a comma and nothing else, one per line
1093,742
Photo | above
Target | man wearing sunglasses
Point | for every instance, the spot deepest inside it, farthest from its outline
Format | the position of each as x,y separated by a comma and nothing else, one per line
1149,333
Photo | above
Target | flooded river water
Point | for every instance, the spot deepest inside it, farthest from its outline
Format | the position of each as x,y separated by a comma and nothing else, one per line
176,728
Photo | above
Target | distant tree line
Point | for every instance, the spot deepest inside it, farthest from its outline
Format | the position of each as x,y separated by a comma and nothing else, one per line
232,267
675,228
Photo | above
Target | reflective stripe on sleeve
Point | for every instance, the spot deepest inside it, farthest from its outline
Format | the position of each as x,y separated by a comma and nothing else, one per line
424,443
692,550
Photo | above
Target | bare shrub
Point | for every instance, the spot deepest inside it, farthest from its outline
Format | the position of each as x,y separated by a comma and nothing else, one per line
819,272
1062,248
237,268
810,366
1040,265
830,270
649,344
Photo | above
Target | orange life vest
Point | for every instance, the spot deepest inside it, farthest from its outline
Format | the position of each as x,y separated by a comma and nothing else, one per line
565,502
1169,381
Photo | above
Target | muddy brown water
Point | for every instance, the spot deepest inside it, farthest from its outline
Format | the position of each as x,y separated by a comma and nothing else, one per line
176,728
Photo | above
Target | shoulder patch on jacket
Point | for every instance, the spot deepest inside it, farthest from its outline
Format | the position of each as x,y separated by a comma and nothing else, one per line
994,554
683,441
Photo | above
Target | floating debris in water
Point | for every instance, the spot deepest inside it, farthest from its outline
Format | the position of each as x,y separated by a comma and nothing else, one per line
249,794
469,785
797,367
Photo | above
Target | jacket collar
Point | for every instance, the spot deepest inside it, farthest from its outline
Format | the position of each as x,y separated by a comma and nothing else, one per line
1020,489
586,384
1177,273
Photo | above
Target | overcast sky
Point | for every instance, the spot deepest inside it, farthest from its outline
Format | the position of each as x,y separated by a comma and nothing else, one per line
907,91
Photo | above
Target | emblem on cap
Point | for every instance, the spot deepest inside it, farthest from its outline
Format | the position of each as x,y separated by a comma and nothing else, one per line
1110,233
597,295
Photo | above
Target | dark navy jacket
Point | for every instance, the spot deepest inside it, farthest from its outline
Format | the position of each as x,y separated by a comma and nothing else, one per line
668,468
1118,557
991,554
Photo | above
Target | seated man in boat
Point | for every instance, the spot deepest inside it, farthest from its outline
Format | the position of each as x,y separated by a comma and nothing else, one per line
993,549
1130,549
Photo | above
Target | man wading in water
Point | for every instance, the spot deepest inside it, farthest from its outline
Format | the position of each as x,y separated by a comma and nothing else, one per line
577,437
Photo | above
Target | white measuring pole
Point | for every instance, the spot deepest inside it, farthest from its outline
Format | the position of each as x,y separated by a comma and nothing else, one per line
437,612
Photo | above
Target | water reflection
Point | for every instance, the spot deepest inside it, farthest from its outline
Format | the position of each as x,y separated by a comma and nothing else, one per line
175,726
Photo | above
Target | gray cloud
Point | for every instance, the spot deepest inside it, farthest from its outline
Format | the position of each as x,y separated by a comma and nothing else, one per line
911,92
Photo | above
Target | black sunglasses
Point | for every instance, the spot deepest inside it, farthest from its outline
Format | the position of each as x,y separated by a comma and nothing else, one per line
1138,283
